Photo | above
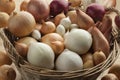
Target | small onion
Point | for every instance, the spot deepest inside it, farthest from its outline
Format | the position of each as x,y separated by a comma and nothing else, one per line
66,22
22,49
58,18
7,73
21,24
60,30
39,9
96,11
3,19
23,5
47,27
75,3
36,34
58,6
27,40
55,41
7,6
4,59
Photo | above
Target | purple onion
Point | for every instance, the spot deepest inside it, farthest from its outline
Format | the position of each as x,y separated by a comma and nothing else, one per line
58,6
95,11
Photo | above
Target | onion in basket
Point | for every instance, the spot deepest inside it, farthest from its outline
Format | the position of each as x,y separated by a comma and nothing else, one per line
69,61
3,19
21,24
41,54
55,41
7,73
78,40
95,11
110,76
115,69
4,59
7,6
39,9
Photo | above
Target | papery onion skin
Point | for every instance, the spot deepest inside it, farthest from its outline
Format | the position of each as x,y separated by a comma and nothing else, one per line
39,9
58,6
95,11
21,24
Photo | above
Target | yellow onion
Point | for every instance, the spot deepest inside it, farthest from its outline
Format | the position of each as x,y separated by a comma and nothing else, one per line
7,6
27,40
21,24
55,41
47,27
21,48
4,59
3,19
7,73
23,5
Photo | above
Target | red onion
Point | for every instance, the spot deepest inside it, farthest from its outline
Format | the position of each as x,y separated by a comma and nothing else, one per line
58,6
117,21
95,11
39,9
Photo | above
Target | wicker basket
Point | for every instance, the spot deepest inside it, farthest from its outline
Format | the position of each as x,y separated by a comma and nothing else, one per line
30,72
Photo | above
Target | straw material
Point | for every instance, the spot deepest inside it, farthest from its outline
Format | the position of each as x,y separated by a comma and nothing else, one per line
30,72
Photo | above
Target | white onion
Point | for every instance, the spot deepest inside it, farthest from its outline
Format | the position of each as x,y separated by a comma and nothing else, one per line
40,54
78,40
69,61
60,30
66,22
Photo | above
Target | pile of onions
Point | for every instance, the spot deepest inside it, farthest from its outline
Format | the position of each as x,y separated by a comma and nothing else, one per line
39,9
7,6
21,24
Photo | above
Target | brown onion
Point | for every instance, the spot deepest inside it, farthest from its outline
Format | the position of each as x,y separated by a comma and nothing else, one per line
7,73
58,18
55,41
23,5
26,40
7,6
75,3
4,59
47,27
39,9
3,19
22,49
21,24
